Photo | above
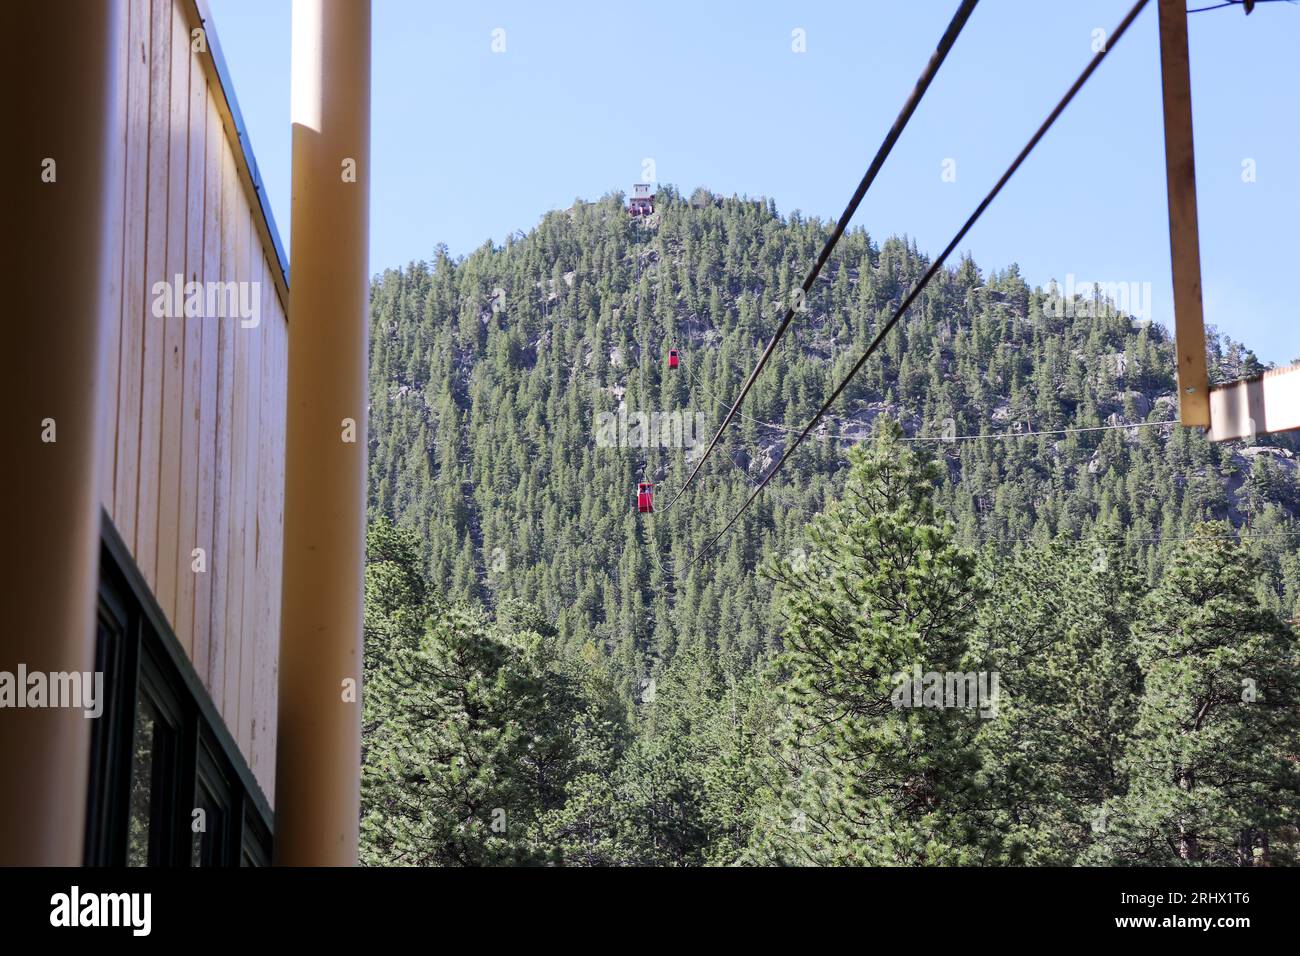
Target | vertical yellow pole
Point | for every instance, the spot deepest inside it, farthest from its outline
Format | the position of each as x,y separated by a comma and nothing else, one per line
1184,231
61,169
318,750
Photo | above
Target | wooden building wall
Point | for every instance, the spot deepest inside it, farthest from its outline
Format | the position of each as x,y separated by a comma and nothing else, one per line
196,458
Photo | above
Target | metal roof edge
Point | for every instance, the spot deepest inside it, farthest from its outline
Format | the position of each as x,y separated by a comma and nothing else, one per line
245,144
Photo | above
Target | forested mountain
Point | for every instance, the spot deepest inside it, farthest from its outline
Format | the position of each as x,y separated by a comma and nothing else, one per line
551,678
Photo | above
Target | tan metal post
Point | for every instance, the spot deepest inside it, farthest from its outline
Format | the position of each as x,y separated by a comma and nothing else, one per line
318,750
1184,233
61,166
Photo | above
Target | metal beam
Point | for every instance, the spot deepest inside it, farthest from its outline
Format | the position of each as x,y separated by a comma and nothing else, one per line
1184,236
1256,406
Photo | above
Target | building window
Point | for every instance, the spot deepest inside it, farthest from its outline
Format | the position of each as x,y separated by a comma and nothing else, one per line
150,746
210,845
168,785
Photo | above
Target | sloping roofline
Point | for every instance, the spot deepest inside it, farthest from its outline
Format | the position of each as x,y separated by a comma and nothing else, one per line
200,15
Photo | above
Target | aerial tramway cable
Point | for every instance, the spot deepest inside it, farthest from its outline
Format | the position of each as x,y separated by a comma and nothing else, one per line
909,107
948,439
1233,3
717,401
934,267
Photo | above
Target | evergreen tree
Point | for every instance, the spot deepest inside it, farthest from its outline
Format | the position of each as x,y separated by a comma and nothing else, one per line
874,779
470,741
1212,768
1057,630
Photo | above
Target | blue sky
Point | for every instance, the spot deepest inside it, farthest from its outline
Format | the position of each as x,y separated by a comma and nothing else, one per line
469,144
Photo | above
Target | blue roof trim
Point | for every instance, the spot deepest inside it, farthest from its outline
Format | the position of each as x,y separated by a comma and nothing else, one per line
245,144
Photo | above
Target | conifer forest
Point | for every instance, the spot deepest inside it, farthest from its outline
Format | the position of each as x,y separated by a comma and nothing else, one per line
997,609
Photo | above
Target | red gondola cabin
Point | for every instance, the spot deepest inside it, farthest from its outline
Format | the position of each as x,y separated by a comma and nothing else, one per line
672,358
645,497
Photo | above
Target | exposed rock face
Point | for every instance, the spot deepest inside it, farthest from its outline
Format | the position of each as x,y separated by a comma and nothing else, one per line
1141,404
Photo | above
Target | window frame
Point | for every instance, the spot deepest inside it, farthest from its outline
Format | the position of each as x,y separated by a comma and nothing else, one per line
139,654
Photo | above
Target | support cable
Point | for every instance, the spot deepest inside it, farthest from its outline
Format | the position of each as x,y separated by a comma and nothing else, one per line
935,266
909,107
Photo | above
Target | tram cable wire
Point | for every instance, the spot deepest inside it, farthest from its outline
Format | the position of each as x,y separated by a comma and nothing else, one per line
943,439
905,114
1078,84
1233,3
744,471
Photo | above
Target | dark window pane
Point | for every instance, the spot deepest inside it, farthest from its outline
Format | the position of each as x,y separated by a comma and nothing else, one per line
255,849
200,841
206,842
160,752
138,837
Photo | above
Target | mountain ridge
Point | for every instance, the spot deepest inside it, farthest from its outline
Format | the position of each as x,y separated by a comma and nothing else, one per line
512,352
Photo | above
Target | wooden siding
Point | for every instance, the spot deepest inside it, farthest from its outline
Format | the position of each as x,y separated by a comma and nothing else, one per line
197,407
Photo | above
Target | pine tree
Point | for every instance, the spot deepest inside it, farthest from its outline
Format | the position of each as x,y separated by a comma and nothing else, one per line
1057,629
469,740
881,589
1212,768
